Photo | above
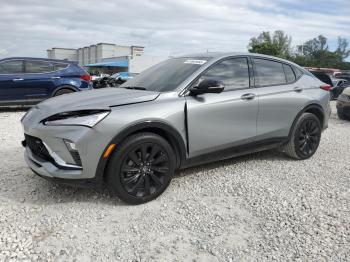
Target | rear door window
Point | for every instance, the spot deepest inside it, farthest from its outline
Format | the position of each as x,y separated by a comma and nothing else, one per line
290,76
33,67
11,67
268,73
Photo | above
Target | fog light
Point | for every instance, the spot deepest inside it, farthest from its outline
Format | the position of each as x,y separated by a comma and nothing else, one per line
73,151
71,146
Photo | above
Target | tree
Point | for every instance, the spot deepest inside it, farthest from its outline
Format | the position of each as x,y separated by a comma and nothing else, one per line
277,45
315,53
313,46
343,49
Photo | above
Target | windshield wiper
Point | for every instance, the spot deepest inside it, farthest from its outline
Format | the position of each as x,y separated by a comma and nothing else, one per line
135,87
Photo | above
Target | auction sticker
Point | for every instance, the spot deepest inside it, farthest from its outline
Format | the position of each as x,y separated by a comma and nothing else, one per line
195,62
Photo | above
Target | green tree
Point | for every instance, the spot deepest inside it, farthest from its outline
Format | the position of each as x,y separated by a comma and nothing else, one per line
343,49
276,45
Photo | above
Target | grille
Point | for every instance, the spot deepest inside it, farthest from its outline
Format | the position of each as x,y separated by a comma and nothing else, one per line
37,147
76,157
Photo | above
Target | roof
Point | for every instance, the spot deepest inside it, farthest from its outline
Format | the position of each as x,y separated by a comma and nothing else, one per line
219,55
39,58
120,63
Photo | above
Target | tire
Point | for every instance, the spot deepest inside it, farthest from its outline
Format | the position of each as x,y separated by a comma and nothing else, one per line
342,116
305,137
141,168
63,91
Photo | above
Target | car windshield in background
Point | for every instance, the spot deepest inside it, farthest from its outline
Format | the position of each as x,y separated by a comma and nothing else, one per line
166,76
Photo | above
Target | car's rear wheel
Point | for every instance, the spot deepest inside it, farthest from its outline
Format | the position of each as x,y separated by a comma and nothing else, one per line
141,168
63,91
305,137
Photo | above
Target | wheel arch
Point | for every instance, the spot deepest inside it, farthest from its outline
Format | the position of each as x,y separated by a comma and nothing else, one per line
169,133
315,109
74,89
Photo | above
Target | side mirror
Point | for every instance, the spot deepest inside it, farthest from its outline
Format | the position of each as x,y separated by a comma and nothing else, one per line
208,86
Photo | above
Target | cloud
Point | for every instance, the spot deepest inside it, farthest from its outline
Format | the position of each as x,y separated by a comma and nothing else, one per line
29,27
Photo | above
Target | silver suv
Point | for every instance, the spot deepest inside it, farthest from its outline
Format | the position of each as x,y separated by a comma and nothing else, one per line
182,112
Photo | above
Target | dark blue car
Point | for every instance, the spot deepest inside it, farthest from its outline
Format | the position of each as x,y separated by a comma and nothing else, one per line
27,81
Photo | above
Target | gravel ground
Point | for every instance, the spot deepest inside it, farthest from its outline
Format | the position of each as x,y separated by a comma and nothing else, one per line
254,208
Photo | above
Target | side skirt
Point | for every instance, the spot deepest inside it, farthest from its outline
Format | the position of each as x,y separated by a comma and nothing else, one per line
234,152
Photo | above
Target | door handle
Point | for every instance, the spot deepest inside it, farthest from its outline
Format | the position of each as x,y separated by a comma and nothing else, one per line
18,79
297,89
249,96
55,77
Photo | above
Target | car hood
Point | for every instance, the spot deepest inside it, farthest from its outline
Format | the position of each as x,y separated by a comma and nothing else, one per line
96,99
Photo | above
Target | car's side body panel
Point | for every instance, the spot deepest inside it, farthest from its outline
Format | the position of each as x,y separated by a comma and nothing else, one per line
218,121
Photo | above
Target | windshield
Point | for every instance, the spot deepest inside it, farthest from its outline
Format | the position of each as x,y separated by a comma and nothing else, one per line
167,75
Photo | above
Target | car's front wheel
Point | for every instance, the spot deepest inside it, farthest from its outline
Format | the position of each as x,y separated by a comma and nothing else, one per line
305,137
141,168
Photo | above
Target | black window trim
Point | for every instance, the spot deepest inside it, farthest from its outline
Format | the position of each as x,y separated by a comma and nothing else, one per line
278,61
24,62
250,74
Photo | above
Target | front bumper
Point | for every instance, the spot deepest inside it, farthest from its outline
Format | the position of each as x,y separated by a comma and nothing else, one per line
61,164
49,169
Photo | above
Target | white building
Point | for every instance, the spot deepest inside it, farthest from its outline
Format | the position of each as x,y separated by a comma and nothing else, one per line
94,53
107,58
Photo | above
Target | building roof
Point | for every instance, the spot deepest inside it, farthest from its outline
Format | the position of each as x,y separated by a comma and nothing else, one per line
120,63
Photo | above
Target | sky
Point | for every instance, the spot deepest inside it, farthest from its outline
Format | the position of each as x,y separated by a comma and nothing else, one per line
164,27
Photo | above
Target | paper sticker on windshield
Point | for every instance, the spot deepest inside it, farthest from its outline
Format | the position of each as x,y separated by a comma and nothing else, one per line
195,62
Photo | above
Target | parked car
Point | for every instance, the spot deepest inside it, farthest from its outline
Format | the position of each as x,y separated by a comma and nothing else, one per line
343,105
338,86
106,82
123,76
114,80
335,90
344,75
99,76
182,112
27,81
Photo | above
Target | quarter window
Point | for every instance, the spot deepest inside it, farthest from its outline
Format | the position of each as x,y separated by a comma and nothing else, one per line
298,72
38,67
59,66
268,73
11,67
290,76
234,73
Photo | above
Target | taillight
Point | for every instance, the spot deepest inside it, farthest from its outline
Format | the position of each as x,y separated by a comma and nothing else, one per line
326,87
85,77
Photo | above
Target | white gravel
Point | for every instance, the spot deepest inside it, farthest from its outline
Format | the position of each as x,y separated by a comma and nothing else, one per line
258,207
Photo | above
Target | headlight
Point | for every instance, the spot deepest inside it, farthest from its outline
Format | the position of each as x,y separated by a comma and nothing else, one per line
76,118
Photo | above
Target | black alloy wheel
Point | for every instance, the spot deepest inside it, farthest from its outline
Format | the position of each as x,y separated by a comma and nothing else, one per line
308,137
141,168
305,137
144,169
